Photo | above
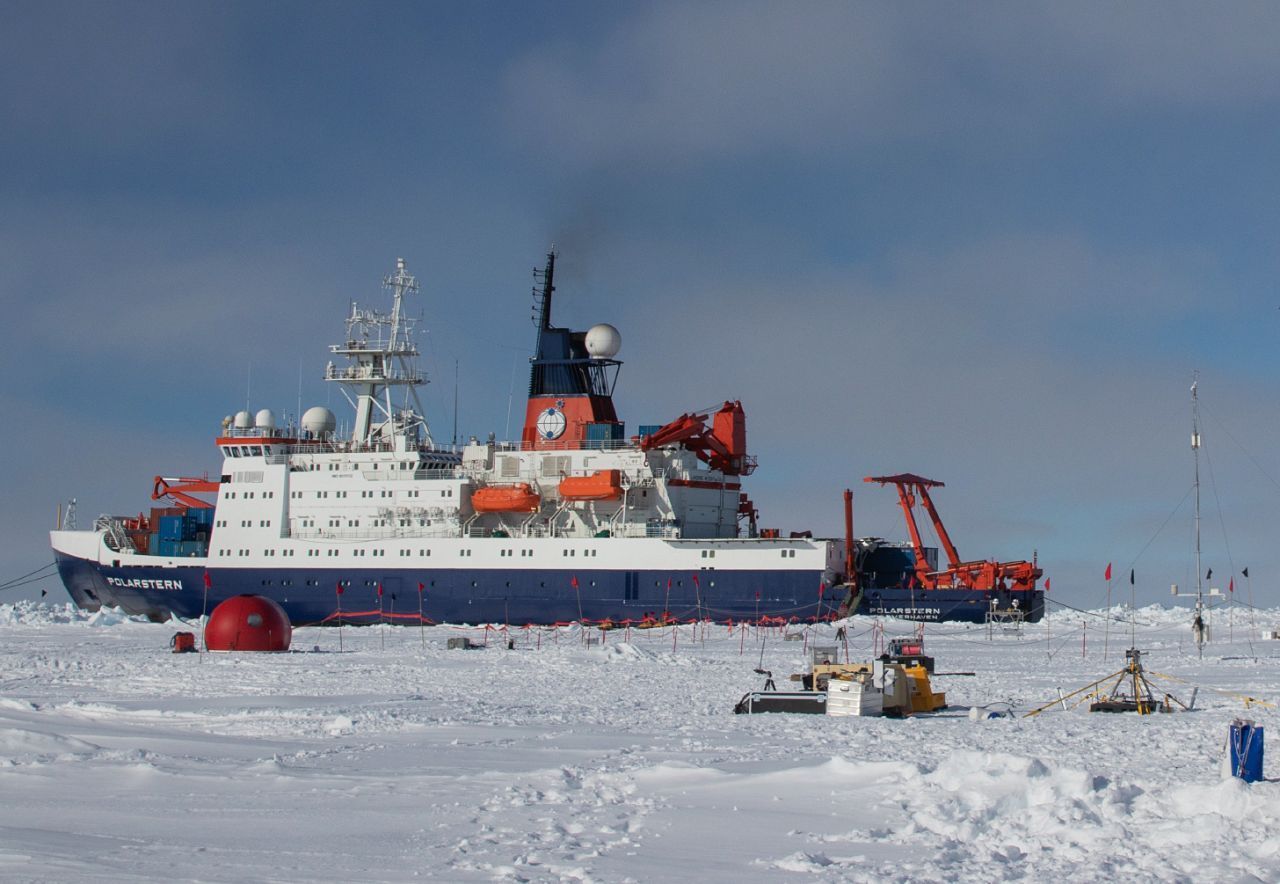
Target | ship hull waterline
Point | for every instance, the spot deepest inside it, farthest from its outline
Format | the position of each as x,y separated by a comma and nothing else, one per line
518,597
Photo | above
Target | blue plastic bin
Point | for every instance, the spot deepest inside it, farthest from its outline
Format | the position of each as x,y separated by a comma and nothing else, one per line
1246,750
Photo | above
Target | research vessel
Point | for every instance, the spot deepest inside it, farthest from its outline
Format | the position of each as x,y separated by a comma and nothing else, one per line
577,520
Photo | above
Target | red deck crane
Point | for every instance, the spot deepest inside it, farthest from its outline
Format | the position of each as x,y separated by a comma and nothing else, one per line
722,446
180,489
982,575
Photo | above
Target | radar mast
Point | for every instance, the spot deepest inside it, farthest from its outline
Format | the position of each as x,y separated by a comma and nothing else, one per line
382,357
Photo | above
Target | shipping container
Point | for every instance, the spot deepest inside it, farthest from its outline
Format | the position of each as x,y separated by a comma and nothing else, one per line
158,513
171,527
188,548
602,432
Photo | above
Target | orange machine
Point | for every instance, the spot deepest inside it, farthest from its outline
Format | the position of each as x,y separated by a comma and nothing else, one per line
181,489
980,575
722,447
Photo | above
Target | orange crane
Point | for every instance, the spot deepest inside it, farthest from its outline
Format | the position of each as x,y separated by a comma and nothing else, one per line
981,575
181,488
722,447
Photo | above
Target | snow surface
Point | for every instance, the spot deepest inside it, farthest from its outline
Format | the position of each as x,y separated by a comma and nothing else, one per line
396,758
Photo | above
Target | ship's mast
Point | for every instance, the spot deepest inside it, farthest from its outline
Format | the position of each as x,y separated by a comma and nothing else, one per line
543,293
1198,623
382,356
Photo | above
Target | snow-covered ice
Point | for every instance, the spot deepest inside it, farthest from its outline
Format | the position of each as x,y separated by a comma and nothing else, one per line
617,761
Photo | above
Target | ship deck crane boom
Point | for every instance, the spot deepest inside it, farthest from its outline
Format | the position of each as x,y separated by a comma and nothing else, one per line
180,490
981,574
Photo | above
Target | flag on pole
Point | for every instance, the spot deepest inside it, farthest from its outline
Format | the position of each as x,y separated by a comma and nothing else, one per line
695,582
208,581
1209,576
1231,585
421,587
379,590
1131,577
339,587
1046,584
573,581
1245,572
822,587
1108,574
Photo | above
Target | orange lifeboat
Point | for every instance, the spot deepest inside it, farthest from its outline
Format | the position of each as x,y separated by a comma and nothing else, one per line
518,498
600,485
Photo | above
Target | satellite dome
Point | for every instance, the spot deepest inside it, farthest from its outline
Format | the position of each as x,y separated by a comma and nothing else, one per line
319,421
243,420
603,341
264,420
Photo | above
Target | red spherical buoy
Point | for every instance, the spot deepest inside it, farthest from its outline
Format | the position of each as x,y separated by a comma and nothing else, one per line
248,623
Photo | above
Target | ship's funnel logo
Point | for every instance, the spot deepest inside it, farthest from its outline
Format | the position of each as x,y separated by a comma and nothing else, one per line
551,424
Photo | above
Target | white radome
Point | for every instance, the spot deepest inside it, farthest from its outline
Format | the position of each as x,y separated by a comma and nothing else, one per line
603,341
319,421
242,421
265,420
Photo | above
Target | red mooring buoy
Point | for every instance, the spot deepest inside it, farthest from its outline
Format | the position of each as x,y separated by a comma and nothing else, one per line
248,623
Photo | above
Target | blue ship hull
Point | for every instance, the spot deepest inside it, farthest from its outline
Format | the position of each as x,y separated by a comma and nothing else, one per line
309,595
951,605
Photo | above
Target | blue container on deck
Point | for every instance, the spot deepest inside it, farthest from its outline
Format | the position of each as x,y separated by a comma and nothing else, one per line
170,527
602,433
649,429
1246,750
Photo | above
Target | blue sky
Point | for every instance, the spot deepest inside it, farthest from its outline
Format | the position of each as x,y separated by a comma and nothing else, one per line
985,242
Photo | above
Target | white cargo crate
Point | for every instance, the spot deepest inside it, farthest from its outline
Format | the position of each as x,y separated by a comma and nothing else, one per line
850,697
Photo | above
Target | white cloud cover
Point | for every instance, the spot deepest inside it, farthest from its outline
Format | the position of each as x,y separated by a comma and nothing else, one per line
692,81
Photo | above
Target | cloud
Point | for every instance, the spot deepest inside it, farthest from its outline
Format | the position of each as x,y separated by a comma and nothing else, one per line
121,74
681,83
973,365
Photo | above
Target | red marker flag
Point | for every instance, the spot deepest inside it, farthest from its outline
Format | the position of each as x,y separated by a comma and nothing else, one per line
1108,574
421,587
208,581
1046,584
822,587
695,581
573,581
379,590
1231,586
339,587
